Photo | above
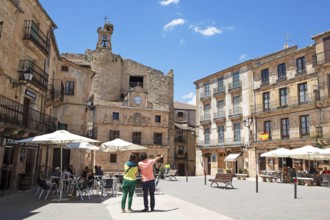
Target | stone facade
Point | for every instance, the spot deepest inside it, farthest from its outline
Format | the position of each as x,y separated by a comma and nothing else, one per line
185,139
27,48
284,94
130,101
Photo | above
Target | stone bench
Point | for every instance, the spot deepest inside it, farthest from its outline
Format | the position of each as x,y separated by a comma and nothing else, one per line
267,178
241,176
306,180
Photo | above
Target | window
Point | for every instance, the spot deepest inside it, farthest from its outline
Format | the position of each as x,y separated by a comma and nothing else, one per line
181,150
180,114
115,116
301,66
302,91
113,158
221,134
236,83
236,105
157,118
135,81
281,71
304,125
136,137
221,105
285,128
206,89
206,112
1,24
65,68
266,100
69,88
283,97
113,135
180,136
220,85
237,132
207,135
264,76
268,129
158,138
104,41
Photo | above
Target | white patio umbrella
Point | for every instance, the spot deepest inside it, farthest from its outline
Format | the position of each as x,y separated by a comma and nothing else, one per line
326,153
307,152
280,152
60,138
82,146
118,144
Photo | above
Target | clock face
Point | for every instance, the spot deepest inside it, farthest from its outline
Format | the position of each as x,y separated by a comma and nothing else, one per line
137,100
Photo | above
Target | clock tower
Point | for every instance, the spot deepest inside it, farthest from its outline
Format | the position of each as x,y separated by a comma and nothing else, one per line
104,35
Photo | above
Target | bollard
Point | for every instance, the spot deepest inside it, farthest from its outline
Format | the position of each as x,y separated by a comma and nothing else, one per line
257,183
295,187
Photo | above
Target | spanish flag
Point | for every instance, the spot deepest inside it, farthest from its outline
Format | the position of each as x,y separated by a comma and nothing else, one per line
263,136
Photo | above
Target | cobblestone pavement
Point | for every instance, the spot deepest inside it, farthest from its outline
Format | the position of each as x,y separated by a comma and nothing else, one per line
182,200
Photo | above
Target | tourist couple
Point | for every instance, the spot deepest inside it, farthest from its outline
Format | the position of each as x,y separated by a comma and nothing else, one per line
147,177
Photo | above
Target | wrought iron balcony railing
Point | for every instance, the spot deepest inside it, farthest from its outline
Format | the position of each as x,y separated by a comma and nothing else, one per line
234,85
17,115
40,77
291,101
222,142
321,58
33,33
55,90
219,90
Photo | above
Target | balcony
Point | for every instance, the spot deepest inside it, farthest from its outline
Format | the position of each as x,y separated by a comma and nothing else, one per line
222,143
291,102
17,116
219,91
235,112
235,86
33,33
205,119
180,139
205,95
40,77
321,58
220,115
55,93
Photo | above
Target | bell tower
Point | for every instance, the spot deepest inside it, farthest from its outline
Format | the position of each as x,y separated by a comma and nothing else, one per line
104,35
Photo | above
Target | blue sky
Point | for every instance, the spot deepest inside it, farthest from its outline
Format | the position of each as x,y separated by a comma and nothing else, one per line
195,38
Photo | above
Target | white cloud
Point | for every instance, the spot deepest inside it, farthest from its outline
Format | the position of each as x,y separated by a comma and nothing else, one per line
168,2
172,24
190,98
208,31
243,56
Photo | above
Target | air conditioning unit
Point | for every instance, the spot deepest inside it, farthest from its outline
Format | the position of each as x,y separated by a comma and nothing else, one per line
290,74
272,80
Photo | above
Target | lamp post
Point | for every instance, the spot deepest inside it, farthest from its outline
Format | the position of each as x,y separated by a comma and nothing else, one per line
247,123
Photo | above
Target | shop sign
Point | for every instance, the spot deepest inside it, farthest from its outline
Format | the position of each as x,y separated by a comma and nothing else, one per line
12,142
30,94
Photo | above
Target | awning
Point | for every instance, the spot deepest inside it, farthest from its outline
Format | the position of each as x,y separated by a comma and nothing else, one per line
232,157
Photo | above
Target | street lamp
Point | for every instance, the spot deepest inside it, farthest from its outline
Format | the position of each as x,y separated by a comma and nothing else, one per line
247,123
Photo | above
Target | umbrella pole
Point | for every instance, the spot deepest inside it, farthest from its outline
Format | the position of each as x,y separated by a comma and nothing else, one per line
61,180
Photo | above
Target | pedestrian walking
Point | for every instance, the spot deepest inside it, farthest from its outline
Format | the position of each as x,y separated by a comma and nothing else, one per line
148,180
129,180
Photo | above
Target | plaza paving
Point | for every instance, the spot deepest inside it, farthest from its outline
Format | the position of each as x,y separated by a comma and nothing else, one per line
182,200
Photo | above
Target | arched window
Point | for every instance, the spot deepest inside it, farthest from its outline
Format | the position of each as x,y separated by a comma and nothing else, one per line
104,41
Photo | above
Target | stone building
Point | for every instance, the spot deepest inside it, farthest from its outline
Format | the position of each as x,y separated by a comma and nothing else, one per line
28,54
129,101
285,102
291,90
185,139
222,101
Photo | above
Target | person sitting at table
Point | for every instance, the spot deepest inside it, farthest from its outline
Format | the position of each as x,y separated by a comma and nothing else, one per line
72,170
98,171
129,181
